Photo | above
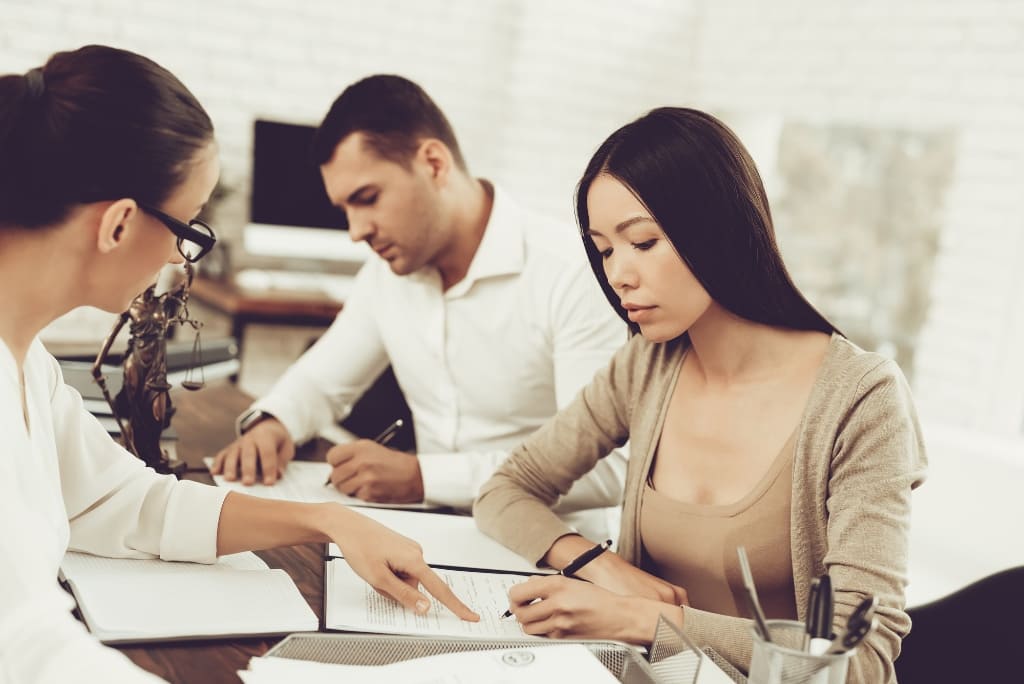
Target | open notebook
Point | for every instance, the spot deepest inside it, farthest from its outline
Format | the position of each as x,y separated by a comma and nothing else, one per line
478,569
128,600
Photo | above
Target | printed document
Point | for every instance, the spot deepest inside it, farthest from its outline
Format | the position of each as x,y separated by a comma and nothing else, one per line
353,606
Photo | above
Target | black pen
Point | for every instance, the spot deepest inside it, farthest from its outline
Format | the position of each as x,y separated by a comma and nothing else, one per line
584,558
813,611
577,563
383,438
824,613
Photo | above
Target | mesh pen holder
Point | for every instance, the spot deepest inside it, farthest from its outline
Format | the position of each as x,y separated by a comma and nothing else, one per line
780,662
676,660
623,661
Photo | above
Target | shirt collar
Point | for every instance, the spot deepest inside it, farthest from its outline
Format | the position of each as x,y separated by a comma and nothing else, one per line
501,251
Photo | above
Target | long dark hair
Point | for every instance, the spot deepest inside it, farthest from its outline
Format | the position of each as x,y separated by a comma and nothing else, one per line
93,124
701,186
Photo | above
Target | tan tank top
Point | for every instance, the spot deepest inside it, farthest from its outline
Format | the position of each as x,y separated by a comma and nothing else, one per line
694,545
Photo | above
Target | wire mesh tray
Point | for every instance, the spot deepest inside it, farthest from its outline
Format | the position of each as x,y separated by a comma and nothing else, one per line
624,662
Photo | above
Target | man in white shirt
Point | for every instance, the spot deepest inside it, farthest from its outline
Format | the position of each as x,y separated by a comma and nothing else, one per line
488,314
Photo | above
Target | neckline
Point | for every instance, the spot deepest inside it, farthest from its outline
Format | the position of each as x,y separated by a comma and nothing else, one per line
9,366
752,496
793,442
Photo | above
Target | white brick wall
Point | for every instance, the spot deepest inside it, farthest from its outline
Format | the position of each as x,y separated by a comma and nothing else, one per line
533,86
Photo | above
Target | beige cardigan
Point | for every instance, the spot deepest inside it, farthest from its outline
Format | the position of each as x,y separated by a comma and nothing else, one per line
858,455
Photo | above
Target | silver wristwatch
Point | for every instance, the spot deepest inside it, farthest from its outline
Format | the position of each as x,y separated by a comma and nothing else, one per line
250,418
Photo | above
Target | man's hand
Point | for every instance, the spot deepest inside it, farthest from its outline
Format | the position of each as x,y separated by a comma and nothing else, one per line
371,472
267,446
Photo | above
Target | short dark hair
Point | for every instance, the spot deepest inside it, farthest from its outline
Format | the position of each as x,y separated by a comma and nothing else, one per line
702,187
394,115
93,124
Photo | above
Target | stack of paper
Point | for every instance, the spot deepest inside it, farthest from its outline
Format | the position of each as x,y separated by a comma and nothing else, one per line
127,600
548,664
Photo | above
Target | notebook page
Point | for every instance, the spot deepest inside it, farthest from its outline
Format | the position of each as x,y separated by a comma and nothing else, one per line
139,600
304,481
353,605
452,540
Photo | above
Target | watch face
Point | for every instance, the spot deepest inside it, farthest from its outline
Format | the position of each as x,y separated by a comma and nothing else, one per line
249,419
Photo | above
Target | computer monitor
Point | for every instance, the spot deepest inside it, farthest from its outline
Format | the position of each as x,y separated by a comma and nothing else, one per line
290,215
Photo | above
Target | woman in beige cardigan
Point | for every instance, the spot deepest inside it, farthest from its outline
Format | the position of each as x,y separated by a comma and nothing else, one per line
751,420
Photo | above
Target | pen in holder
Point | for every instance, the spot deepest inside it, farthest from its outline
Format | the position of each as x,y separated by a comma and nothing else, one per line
781,661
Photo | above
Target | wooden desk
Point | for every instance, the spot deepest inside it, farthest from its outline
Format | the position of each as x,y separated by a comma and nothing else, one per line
273,307
205,422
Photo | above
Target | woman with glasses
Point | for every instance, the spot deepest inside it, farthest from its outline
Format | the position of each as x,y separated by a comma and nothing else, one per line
105,160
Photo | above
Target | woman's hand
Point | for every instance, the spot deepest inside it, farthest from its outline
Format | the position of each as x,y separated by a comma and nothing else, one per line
393,565
560,607
390,563
612,572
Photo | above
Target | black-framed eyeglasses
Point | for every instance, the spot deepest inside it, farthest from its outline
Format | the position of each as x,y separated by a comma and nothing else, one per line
195,238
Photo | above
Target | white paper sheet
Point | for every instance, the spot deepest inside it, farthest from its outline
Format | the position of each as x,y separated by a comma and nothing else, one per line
352,605
304,481
546,664
451,540
141,600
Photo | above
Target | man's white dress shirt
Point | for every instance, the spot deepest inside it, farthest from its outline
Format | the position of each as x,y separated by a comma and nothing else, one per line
64,483
482,365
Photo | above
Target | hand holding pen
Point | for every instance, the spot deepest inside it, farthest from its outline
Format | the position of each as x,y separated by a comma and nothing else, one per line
383,438
575,565
370,471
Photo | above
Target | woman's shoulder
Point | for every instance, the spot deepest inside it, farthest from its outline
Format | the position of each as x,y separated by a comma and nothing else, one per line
846,363
850,373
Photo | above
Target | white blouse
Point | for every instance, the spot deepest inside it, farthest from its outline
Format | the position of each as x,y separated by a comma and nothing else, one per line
64,483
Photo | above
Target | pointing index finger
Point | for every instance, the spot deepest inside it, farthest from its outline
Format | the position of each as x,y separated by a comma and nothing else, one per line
440,590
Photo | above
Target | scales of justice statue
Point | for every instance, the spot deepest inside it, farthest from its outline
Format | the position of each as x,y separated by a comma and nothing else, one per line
143,406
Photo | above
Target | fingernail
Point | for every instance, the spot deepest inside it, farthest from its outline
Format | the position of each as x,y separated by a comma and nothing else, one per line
422,607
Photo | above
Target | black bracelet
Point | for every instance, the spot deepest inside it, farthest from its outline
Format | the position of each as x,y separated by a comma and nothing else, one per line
579,561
